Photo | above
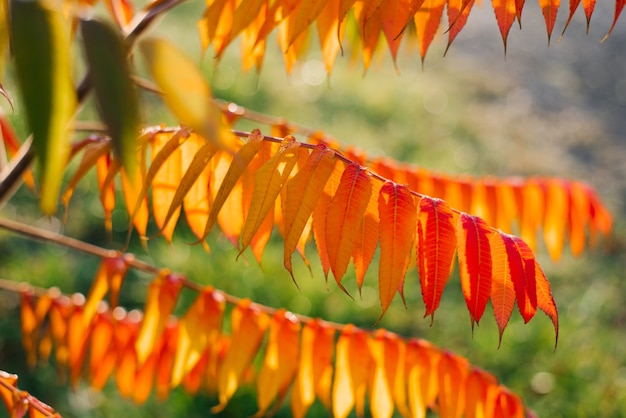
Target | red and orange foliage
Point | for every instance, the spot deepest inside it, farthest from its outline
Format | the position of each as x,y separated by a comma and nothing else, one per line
224,20
314,192
341,365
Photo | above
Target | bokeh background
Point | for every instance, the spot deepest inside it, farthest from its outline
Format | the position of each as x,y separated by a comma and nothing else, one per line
555,111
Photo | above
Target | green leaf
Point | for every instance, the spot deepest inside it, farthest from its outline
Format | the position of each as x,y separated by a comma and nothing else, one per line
115,92
40,44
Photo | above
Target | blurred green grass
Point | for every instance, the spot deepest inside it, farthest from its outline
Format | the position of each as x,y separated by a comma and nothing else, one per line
460,114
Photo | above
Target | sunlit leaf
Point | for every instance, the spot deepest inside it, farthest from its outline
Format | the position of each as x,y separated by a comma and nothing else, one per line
185,90
398,221
248,328
41,47
280,362
343,217
160,302
436,245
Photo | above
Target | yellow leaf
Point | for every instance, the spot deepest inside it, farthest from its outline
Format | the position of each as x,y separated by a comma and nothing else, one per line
248,328
160,302
199,328
185,90
281,360
268,181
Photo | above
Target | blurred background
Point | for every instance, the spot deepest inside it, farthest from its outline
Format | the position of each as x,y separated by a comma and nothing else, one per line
554,111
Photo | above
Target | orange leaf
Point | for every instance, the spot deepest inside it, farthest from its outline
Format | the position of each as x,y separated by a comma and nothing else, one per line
436,245
421,367
545,301
557,214
521,263
160,302
6,394
244,14
502,288
107,190
452,372
398,221
304,15
330,31
102,353
549,9
388,383
109,278
458,12
166,181
369,24
199,328
314,369
367,237
353,367
132,184
268,182
319,216
394,15
427,21
303,193
33,312
343,217
506,12
280,362
532,212
248,328
477,386
472,234
230,179
208,24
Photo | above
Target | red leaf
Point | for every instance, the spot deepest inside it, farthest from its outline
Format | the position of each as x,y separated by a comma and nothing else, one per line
475,266
398,221
436,245
545,301
619,6
367,237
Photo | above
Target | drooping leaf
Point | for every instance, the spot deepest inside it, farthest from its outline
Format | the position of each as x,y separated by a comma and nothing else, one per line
248,328
280,362
41,47
303,17
545,301
458,12
117,100
421,367
477,387
451,372
549,8
314,377
330,31
502,288
343,217
475,269
199,328
160,302
427,20
532,211
619,6
165,182
367,237
436,245
398,221
506,12
521,264
194,170
303,193
268,182
108,279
